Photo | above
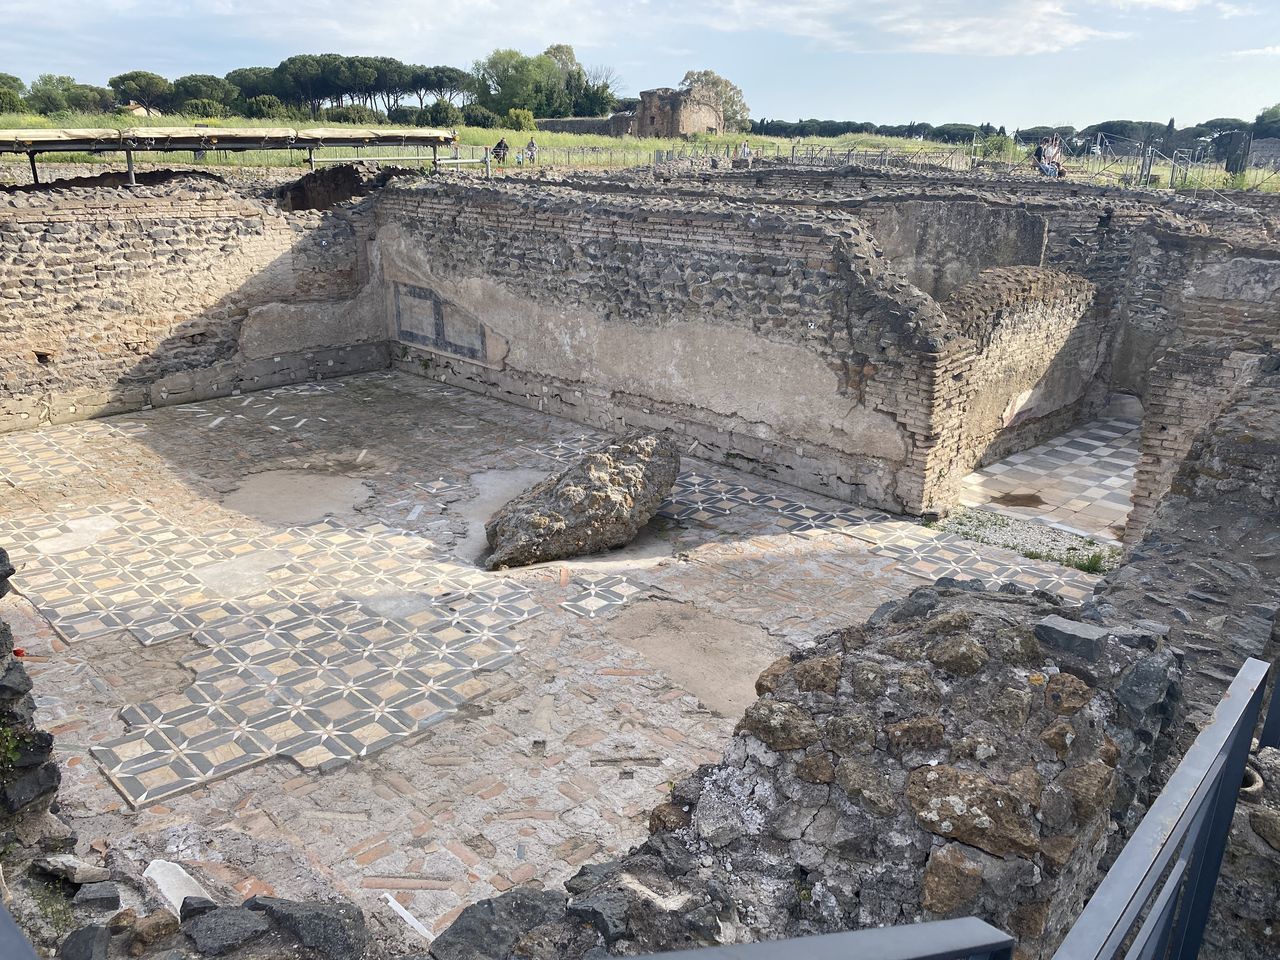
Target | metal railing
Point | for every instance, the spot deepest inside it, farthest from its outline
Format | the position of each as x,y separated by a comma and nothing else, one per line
1153,904
13,945
965,939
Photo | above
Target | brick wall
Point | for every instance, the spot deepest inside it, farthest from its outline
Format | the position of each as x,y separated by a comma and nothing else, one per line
775,339
1189,388
112,299
1027,367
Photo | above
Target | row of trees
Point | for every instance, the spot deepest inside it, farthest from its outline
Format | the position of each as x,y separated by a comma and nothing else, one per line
337,87
1164,136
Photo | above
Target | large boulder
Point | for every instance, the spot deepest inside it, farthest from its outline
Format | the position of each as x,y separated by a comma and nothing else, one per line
600,502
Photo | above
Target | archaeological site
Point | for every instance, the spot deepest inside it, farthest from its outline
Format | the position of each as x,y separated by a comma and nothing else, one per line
405,564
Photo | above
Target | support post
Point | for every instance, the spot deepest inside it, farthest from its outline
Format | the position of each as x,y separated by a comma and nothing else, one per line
311,158
128,159
435,160
488,167
35,175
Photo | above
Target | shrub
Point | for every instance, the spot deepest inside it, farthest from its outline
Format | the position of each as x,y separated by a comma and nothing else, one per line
999,146
405,116
441,114
474,115
520,119
204,108
355,113
266,106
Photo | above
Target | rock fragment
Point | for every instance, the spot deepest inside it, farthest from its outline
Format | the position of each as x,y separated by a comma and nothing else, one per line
598,503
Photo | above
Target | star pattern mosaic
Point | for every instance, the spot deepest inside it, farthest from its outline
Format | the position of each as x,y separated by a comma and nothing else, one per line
565,449
347,640
916,548
602,594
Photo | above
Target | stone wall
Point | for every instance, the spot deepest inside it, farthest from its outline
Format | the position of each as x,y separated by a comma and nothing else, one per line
601,126
113,299
942,245
1189,388
672,113
777,340
1206,573
1028,368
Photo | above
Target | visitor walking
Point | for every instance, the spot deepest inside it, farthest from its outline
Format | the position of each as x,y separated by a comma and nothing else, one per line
531,151
500,150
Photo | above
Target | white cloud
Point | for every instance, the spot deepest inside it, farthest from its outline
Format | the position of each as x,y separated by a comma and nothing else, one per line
995,28
1273,51
168,34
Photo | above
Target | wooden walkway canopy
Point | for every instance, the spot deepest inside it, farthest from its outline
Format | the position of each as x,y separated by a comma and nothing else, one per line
163,139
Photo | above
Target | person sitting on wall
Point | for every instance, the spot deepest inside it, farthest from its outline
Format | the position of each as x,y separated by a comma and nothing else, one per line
500,150
1042,159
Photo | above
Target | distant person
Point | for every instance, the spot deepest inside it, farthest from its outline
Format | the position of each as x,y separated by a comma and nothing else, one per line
531,151
500,150
1042,158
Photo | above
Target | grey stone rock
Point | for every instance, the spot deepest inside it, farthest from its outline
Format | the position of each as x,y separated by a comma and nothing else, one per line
919,603
225,929
1147,683
193,907
333,930
32,785
7,570
598,503
1079,639
71,868
487,930
103,895
87,943
605,910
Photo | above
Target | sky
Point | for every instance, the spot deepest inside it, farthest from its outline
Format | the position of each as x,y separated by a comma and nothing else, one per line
1012,63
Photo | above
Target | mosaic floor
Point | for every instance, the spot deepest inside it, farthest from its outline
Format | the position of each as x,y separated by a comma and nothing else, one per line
1081,481
192,644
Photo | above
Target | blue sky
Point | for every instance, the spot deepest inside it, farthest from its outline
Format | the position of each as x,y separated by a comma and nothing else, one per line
1010,62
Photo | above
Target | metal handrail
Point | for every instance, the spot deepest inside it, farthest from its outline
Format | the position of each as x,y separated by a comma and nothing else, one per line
965,939
1155,898
13,944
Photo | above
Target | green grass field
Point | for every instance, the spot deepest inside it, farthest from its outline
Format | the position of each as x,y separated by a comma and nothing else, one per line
573,149
588,150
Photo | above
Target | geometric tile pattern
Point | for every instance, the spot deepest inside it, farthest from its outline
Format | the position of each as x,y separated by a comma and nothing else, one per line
931,554
569,448
1081,481
351,638
327,641
602,593
917,549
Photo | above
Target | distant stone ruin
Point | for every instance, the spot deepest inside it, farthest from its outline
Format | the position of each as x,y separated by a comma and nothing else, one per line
664,112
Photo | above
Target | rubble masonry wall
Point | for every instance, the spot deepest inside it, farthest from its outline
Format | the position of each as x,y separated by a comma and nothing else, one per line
112,299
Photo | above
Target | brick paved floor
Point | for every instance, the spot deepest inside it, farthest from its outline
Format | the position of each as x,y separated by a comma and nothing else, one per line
355,691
